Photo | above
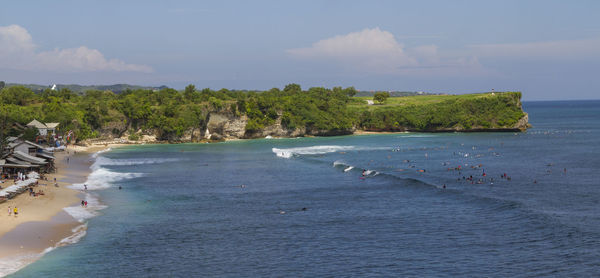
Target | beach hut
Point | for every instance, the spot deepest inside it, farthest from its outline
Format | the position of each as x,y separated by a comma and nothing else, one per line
29,158
25,147
44,128
11,166
51,127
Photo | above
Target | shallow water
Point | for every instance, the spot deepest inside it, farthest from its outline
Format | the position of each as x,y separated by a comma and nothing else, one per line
236,209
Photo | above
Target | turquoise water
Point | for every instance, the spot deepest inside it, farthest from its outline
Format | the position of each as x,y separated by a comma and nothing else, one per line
294,207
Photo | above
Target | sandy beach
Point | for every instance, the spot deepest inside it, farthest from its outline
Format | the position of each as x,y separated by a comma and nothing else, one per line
42,221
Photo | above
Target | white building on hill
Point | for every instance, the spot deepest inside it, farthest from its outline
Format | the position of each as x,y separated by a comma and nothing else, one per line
44,129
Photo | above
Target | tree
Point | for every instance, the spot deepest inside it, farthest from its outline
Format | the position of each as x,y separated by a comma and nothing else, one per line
30,134
18,95
292,88
2,84
350,91
189,92
3,130
381,97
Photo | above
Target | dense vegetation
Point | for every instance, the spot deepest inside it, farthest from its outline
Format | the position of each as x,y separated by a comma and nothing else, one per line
442,112
168,113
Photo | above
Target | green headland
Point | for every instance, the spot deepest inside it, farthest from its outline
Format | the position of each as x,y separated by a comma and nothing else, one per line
165,114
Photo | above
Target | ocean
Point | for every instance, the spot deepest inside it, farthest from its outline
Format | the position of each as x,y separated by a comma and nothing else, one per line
384,205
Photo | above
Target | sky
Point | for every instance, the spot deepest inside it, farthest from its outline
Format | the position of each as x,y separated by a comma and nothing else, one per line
549,50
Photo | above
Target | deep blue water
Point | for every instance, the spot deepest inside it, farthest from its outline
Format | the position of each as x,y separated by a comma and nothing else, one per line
182,211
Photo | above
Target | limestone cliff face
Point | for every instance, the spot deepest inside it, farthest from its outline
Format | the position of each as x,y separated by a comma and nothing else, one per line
523,123
229,126
225,126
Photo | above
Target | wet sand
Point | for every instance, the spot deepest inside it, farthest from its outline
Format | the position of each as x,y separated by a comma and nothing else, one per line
42,223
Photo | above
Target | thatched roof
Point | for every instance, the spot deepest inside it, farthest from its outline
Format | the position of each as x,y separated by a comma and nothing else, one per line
37,124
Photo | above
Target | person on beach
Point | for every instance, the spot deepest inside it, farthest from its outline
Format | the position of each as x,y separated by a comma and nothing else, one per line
16,211
82,203
85,186
9,210
86,204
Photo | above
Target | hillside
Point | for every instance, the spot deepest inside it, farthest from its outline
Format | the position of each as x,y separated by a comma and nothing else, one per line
80,89
193,115
469,112
392,93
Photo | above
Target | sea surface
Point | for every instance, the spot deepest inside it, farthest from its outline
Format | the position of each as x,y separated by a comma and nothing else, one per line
369,205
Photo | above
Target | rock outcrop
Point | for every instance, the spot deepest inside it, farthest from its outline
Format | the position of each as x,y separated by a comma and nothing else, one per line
225,126
523,123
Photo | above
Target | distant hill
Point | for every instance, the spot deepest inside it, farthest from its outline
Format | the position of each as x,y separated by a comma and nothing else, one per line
116,88
392,93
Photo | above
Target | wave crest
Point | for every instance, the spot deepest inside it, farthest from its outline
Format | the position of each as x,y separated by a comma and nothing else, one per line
315,150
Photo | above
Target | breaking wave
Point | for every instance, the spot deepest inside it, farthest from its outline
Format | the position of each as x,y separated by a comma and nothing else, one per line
96,154
348,168
92,209
315,150
105,161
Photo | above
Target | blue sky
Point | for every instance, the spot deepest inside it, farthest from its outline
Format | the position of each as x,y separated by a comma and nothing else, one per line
546,49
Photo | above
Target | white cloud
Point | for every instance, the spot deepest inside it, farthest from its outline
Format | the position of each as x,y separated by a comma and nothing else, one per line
378,51
18,52
550,50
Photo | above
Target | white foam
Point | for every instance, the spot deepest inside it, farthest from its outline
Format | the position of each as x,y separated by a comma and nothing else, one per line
417,136
101,161
78,233
349,168
102,178
11,265
100,152
14,264
99,178
368,172
313,150
82,213
338,163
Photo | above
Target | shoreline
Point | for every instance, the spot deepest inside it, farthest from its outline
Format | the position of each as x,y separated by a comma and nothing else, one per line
122,141
43,223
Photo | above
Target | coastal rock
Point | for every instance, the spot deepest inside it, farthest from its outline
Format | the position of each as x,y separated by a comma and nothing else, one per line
277,130
523,123
226,126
